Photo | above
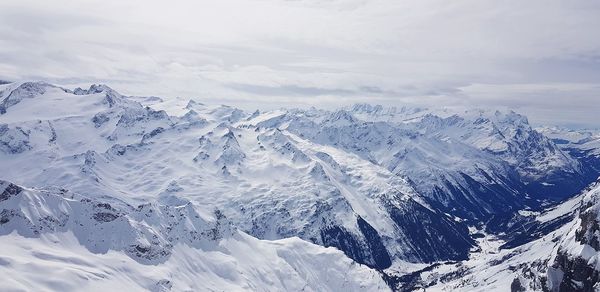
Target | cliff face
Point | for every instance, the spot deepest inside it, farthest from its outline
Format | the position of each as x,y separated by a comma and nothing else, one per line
576,265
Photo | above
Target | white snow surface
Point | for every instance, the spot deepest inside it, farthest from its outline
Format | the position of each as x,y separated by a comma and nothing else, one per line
57,262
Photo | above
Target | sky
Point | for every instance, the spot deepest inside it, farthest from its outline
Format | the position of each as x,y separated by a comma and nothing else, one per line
540,58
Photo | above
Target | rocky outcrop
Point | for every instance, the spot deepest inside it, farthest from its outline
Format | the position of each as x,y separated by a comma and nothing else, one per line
147,232
576,267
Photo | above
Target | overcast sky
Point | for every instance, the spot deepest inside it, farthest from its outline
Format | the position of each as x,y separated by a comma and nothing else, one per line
541,58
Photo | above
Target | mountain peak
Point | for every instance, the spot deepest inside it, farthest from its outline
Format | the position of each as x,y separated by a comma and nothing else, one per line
111,98
25,90
341,117
366,108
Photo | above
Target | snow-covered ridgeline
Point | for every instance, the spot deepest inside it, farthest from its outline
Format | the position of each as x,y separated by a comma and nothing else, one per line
53,239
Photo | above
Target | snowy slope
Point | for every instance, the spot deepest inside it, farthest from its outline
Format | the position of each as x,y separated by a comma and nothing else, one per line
67,242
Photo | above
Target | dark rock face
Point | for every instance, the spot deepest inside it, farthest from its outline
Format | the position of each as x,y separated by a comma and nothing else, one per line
588,231
571,272
379,253
4,217
367,249
148,252
117,149
105,217
577,274
516,286
100,119
347,242
152,133
13,140
8,190
433,236
477,201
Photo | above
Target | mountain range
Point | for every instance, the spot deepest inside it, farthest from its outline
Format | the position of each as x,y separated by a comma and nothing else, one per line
104,190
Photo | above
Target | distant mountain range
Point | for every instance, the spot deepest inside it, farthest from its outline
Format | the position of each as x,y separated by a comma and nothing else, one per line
102,187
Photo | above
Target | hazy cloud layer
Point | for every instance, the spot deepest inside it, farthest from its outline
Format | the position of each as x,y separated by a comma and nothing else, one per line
538,57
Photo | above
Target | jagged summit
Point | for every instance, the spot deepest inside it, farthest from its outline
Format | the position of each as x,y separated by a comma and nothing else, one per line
94,88
340,118
193,104
112,97
380,111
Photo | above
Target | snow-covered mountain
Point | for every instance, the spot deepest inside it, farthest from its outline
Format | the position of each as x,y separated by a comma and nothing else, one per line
56,240
147,183
582,144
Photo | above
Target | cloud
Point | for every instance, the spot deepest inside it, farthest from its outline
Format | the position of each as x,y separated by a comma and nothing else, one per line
540,57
